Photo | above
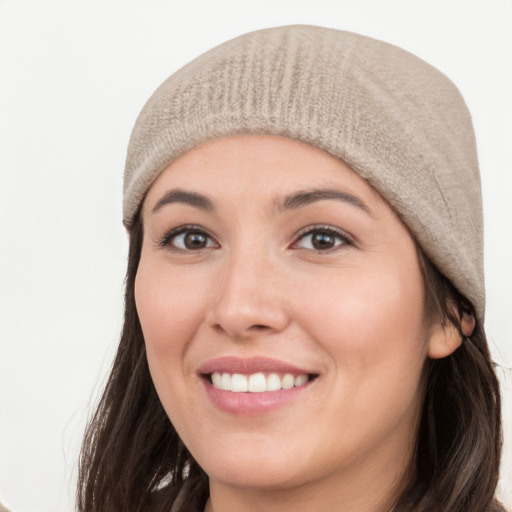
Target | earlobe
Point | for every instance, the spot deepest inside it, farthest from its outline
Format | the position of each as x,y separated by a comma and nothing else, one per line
447,337
444,340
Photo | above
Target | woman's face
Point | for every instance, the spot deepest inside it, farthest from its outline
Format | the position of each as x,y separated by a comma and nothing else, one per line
270,265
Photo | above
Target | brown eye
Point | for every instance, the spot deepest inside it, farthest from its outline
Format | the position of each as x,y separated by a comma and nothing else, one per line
194,240
322,240
188,239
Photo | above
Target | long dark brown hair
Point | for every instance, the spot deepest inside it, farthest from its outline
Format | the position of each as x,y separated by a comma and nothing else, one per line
133,460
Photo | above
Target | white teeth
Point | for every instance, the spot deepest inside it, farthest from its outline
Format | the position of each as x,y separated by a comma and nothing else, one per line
239,383
217,380
301,380
273,382
288,381
256,382
226,382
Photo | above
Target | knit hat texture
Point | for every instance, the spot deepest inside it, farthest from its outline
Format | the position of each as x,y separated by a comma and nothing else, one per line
394,119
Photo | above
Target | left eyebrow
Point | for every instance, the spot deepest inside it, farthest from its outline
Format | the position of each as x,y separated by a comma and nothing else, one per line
303,198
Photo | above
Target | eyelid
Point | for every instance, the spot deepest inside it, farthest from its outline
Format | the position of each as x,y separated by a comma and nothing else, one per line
347,239
166,239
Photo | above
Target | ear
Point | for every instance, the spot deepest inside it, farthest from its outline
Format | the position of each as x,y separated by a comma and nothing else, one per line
446,337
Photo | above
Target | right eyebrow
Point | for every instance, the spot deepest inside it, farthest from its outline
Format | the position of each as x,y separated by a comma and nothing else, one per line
185,197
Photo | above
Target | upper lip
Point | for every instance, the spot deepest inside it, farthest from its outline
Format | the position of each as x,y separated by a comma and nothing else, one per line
250,365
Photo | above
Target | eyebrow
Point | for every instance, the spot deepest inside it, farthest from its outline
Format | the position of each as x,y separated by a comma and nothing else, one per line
184,197
289,202
303,198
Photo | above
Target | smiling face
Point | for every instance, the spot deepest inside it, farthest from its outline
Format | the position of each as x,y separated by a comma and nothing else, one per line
282,305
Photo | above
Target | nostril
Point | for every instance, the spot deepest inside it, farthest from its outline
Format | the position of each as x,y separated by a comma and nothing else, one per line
259,327
218,328
243,333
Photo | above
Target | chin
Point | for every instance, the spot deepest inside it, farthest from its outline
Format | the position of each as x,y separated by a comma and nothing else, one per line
252,468
257,477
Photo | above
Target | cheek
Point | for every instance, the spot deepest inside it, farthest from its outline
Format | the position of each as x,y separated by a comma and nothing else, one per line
371,322
168,319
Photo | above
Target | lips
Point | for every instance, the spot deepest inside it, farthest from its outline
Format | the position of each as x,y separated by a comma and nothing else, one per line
249,366
253,386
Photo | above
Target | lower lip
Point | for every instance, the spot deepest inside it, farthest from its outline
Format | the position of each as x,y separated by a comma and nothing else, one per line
252,404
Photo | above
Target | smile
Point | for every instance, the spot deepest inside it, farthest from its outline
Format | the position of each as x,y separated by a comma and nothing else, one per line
256,382
254,386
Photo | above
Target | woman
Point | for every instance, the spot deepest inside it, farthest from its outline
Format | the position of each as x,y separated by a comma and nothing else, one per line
304,296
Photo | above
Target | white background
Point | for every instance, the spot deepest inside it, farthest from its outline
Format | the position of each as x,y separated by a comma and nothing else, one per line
73,76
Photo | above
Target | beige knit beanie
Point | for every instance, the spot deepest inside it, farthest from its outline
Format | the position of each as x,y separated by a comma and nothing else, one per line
394,119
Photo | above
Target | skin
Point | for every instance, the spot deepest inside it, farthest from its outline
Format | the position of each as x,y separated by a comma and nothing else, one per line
351,311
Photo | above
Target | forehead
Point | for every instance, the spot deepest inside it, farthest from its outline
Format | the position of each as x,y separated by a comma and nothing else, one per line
259,165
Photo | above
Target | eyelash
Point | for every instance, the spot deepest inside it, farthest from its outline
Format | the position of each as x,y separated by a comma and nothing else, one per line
346,240
188,228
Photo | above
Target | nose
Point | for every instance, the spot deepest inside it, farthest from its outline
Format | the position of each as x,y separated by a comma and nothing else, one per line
251,299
